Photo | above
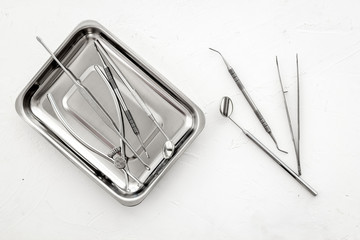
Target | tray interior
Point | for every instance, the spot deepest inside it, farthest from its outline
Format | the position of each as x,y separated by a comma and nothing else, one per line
80,56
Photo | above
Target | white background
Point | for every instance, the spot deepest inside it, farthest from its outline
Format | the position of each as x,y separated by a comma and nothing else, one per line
223,187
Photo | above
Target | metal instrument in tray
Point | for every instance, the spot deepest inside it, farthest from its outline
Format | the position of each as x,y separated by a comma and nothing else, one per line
55,107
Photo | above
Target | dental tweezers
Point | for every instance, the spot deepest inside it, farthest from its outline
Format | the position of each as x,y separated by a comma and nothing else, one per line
93,103
296,144
121,100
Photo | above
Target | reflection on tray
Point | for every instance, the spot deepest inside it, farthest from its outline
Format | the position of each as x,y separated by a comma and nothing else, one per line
64,107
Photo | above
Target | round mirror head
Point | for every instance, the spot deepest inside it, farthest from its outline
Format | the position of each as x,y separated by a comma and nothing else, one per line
226,107
168,149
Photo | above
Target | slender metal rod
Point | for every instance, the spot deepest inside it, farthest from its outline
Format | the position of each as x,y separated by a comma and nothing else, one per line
117,107
101,112
276,159
289,118
95,105
140,184
298,111
130,88
249,100
118,111
90,99
67,71
121,100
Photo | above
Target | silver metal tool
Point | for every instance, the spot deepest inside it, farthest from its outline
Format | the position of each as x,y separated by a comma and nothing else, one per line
169,147
115,150
298,112
119,162
226,109
296,145
249,100
121,100
93,102
180,118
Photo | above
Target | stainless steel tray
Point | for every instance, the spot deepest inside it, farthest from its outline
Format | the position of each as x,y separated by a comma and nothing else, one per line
180,118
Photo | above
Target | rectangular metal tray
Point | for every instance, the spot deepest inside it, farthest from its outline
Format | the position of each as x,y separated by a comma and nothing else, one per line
180,118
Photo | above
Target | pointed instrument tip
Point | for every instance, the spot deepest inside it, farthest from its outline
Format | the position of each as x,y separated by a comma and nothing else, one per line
226,63
212,49
276,144
97,43
281,150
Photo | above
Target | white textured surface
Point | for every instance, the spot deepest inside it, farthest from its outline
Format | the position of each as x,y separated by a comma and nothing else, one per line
223,187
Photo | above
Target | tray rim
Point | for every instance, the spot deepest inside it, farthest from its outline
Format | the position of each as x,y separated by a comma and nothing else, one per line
26,114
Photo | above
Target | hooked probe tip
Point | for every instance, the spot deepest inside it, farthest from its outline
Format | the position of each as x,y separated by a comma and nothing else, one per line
277,146
226,63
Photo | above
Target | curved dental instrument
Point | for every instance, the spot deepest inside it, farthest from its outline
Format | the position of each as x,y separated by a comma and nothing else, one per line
226,109
121,100
90,99
87,95
169,146
296,147
62,119
119,162
249,100
119,113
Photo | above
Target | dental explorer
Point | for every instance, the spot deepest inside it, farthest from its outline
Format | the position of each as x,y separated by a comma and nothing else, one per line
249,100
